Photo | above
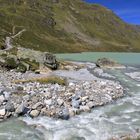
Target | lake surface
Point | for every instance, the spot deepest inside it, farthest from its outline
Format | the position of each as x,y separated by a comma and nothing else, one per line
123,58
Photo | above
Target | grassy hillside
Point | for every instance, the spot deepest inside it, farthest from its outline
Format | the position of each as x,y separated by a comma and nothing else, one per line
65,26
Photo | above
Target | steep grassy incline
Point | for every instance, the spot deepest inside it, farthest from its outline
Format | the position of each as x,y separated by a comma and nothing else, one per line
65,26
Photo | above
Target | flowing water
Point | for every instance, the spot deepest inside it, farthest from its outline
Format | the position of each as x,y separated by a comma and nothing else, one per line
119,118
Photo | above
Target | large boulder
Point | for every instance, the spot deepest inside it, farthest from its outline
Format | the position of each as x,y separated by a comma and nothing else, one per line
9,62
50,61
108,63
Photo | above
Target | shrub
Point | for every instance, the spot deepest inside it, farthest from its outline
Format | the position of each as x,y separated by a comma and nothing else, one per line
11,63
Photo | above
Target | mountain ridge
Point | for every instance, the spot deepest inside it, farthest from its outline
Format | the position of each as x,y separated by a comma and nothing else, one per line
61,26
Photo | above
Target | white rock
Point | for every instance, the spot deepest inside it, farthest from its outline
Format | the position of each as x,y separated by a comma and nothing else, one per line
71,84
84,108
90,104
2,98
60,101
2,112
84,98
48,102
34,113
71,112
7,95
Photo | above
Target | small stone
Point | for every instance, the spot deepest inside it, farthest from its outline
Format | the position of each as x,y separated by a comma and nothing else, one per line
77,111
91,97
60,101
48,102
2,99
76,97
10,107
75,103
83,103
71,113
69,94
2,112
71,84
21,109
43,111
85,108
80,93
84,98
8,114
7,95
39,104
64,114
90,104
26,97
20,88
34,113
48,95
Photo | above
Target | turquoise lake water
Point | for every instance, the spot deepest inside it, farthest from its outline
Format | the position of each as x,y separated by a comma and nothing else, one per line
123,58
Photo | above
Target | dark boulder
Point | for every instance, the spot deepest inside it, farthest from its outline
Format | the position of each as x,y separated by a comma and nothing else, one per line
50,61
64,114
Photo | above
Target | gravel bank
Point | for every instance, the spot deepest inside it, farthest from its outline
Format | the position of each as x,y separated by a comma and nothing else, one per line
53,100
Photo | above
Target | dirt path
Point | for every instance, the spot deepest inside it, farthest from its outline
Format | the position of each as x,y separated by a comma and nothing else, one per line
8,40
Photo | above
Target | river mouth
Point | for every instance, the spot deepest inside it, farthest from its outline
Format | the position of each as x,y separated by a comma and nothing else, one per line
116,119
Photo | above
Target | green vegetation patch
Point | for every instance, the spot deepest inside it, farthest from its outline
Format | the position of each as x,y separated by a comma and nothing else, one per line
45,80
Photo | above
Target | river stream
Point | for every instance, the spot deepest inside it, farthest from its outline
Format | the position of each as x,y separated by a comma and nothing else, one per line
119,118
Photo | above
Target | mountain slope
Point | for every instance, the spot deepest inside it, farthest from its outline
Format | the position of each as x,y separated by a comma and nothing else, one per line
65,26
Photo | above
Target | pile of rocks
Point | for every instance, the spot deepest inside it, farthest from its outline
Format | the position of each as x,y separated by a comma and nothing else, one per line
53,100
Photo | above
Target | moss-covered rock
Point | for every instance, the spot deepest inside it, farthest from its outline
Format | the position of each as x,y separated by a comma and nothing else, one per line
11,62
33,64
21,68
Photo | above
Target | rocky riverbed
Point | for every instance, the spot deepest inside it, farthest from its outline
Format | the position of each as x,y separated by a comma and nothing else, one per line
53,100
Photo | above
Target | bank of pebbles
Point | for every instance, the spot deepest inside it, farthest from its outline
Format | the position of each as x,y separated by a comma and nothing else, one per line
53,100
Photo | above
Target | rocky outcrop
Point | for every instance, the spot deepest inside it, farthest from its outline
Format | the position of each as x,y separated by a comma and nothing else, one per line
26,59
50,61
21,65
108,63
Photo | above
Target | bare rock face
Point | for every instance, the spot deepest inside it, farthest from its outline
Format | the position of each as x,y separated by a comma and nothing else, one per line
108,63
50,61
